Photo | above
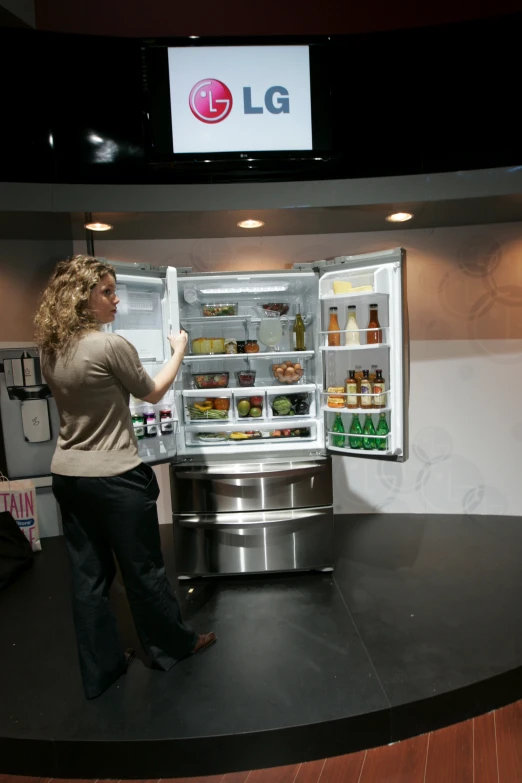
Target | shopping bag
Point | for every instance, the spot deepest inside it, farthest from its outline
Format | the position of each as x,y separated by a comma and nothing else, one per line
15,550
19,498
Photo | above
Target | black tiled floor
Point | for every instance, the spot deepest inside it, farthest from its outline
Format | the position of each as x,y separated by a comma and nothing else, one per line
418,627
436,601
287,654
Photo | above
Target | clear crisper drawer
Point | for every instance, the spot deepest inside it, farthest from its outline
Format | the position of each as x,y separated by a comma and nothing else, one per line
289,432
291,402
213,407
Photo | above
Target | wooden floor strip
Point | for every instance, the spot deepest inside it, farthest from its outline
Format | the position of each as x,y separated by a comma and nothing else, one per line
404,762
450,756
343,769
209,779
485,749
274,774
509,743
310,772
236,777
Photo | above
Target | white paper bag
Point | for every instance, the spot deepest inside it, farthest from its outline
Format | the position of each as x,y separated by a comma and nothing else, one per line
19,497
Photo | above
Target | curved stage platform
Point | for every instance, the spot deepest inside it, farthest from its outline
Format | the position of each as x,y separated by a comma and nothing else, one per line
419,626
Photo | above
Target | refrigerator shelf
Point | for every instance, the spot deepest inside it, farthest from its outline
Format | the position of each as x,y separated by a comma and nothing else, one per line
205,357
353,347
290,440
233,320
247,391
287,422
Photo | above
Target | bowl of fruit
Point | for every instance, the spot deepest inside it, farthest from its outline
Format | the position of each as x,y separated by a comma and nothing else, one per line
250,407
288,372
210,380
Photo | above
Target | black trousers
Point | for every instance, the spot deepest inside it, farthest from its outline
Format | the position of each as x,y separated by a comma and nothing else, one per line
117,515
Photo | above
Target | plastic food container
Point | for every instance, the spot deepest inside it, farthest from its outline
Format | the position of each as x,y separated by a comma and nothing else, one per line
212,437
204,345
210,380
246,377
288,372
218,310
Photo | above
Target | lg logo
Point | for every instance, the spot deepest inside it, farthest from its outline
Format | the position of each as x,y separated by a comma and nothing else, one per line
211,101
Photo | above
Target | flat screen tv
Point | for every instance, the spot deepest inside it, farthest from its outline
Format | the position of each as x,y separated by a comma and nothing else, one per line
228,101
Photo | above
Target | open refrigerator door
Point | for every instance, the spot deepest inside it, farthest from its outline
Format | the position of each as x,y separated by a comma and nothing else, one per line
364,343
147,313
246,387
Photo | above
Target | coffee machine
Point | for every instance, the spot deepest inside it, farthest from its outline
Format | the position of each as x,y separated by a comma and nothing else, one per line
25,383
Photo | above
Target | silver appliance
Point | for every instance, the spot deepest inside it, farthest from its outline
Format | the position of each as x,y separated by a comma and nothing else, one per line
247,517
253,493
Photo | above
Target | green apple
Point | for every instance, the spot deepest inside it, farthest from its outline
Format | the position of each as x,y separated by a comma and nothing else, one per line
256,412
243,407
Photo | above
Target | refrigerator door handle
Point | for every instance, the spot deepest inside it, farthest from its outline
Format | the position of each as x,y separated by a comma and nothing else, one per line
206,475
251,519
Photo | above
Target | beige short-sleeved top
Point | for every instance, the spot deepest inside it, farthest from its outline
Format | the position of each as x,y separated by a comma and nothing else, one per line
92,387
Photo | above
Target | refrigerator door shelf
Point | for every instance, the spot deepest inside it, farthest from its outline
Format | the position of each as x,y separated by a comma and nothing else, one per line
359,452
334,348
385,271
148,313
350,411
256,542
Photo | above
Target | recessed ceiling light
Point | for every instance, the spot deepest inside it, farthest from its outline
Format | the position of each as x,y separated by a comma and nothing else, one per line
98,226
250,223
399,217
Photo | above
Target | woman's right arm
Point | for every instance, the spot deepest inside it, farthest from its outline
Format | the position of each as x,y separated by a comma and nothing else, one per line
165,378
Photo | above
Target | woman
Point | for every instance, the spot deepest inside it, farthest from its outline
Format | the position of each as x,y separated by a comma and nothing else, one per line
107,495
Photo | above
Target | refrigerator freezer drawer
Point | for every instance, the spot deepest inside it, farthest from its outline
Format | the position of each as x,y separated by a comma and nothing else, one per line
214,489
256,542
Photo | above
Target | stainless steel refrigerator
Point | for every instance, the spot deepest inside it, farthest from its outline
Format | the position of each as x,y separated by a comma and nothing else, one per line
250,464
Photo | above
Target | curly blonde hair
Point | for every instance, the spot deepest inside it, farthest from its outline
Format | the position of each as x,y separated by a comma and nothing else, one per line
63,314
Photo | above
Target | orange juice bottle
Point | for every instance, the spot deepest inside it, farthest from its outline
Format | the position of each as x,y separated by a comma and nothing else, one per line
334,337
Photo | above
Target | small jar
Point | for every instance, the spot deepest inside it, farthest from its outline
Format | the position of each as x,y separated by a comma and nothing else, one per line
138,423
240,346
151,427
166,423
230,346
251,346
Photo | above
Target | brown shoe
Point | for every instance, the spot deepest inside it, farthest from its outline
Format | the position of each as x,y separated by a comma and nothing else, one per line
129,657
204,640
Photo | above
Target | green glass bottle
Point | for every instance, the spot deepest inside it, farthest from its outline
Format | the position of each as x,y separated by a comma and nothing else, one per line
338,426
368,429
355,439
382,429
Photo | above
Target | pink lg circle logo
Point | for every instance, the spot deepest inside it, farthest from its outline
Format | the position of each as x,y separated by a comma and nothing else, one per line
210,100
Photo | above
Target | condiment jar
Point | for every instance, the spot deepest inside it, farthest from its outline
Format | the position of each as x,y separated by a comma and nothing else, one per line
230,346
251,346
